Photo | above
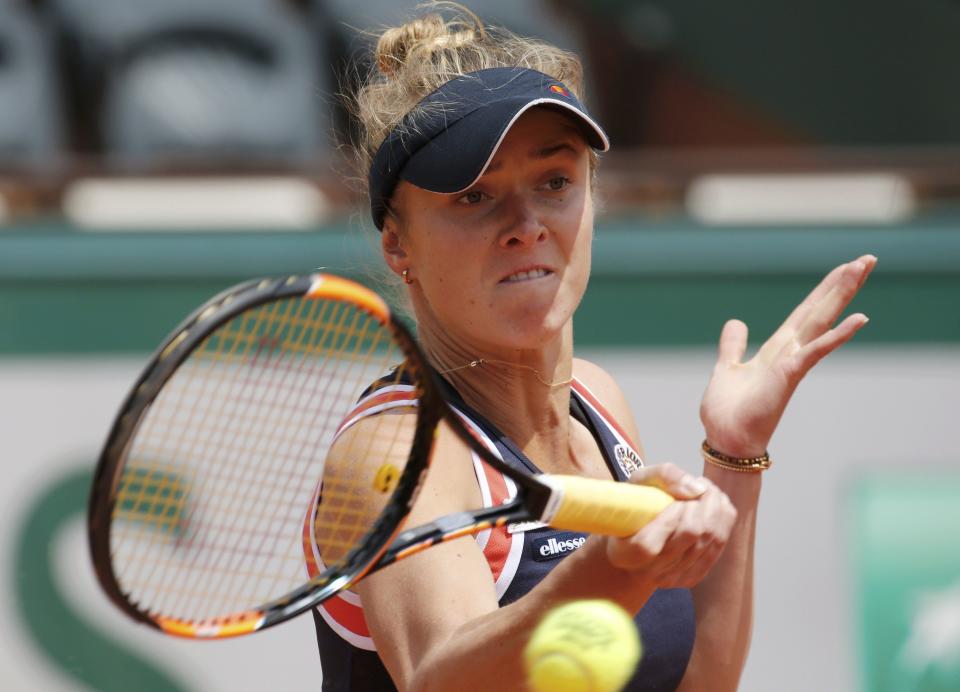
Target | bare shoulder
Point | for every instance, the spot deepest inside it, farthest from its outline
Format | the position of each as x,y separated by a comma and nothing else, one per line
451,483
407,606
362,451
606,389
596,378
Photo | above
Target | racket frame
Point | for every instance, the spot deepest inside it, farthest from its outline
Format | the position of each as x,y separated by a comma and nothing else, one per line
379,549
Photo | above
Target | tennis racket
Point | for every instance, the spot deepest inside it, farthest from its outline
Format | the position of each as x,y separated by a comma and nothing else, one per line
269,453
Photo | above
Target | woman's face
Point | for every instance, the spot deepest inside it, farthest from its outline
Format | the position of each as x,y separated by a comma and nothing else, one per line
504,264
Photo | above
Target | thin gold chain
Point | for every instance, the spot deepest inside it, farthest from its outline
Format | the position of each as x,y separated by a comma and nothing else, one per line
480,362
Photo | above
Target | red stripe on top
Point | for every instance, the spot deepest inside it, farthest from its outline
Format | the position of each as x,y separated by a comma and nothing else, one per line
498,544
348,615
588,395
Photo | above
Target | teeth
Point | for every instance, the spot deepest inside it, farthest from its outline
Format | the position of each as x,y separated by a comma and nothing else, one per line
532,274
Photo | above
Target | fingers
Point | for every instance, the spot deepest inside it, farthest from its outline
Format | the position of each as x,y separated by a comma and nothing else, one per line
866,264
813,352
710,526
870,261
642,550
825,302
819,310
682,544
733,342
672,479
827,309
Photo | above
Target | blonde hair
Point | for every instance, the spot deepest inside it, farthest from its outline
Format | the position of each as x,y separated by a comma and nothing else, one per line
412,60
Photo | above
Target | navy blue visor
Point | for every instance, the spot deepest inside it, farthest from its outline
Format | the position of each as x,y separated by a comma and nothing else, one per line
448,139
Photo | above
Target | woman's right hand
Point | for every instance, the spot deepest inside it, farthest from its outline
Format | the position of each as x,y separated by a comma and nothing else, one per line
680,546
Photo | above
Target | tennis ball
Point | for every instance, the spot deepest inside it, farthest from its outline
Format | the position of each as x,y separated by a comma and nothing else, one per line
583,646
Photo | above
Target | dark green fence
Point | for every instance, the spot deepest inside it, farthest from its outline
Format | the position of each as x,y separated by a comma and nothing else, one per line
63,291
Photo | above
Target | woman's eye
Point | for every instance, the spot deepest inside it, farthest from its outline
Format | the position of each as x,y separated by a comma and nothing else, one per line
558,183
472,197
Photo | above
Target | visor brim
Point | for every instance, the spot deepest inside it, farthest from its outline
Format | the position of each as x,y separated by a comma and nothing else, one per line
458,156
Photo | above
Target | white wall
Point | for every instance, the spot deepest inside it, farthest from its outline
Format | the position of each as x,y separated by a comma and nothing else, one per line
862,408
859,410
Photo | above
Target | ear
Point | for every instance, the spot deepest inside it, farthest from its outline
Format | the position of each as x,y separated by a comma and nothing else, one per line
392,246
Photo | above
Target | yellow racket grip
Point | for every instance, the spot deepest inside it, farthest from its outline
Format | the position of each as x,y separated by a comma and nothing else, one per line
598,506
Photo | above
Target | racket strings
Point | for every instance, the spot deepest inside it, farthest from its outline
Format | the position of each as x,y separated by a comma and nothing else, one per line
200,452
141,455
357,340
364,465
226,542
211,504
280,510
341,329
198,588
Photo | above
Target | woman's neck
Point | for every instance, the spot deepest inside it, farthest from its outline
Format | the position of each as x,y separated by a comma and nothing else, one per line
525,393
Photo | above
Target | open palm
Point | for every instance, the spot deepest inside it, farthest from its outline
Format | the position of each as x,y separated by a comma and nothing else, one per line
744,401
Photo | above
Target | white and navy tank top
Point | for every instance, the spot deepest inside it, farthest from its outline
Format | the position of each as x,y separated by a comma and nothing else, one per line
518,559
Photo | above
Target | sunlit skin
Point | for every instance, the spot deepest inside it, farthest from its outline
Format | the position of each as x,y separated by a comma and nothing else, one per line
533,210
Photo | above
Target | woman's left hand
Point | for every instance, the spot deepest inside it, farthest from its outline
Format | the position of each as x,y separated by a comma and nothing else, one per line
743,402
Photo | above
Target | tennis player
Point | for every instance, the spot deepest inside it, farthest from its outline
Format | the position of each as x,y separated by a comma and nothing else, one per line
481,160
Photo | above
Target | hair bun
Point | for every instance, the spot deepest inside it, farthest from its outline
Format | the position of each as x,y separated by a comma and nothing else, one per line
419,39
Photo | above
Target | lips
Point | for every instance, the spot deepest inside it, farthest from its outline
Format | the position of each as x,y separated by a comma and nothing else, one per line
527,275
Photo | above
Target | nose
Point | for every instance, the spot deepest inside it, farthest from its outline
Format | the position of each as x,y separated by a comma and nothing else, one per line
524,226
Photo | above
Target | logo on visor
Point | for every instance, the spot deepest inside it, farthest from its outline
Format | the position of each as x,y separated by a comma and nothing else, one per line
558,89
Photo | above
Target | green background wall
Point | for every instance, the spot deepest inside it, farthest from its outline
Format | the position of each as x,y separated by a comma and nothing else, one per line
63,291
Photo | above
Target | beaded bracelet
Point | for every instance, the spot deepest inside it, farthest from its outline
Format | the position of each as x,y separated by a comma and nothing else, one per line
747,465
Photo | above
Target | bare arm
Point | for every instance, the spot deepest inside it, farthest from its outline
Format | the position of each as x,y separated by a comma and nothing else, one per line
723,600
435,616
723,614
428,613
741,408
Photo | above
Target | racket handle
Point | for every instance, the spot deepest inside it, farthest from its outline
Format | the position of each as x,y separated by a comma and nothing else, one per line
598,506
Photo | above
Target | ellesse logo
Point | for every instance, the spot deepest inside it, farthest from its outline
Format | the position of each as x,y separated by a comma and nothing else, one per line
556,546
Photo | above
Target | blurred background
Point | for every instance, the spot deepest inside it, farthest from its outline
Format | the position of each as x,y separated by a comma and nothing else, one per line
153,153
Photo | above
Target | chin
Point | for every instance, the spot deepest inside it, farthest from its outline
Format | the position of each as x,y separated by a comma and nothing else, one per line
532,331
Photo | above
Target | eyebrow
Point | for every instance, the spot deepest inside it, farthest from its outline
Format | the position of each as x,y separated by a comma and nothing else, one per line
541,153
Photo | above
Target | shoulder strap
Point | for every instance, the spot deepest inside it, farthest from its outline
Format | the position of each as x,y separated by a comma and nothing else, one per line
618,451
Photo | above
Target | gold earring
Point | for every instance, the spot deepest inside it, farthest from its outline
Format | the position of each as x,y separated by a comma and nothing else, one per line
406,276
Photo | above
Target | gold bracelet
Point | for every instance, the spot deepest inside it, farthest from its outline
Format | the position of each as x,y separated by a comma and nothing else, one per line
725,461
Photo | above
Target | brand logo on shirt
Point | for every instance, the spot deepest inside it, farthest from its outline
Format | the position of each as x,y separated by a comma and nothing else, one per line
556,546
558,89
628,459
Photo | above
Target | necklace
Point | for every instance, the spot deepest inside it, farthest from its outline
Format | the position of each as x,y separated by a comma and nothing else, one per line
480,362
